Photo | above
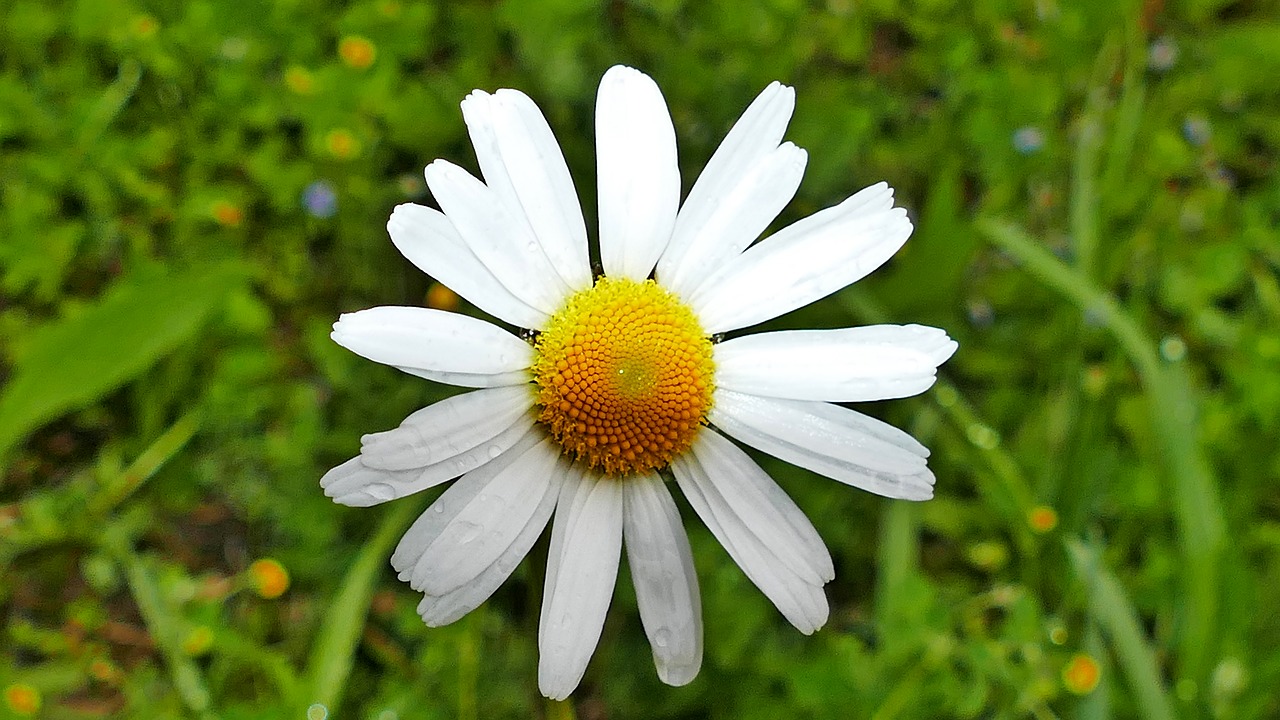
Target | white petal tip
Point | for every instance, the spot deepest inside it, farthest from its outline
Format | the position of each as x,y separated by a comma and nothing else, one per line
678,675
554,689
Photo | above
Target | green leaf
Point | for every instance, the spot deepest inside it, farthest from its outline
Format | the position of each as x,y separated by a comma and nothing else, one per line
333,654
1111,606
76,360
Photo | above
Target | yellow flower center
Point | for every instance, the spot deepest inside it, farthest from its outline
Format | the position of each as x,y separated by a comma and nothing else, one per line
624,375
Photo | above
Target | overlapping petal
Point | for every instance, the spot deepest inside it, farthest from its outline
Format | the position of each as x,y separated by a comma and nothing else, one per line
586,544
477,519
745,184
761,528
448,429
428,240
421,454
437,610
499,235
840,443
804,262
522,163
666,584
874,362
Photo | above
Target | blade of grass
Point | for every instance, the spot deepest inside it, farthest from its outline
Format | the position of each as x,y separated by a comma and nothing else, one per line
117,488
163,627
332,654
1119,621
109,104
467,670
898,558
1197,505
1083,203
249,652
1128,115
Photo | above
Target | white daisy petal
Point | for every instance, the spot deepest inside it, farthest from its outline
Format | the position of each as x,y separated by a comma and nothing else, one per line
756,134
428,240
499,235
447,428
522,162
453,501
639,179
525,443
803,262
431,340
471,380
356,483
666,584
438,610
543,183
753,496
577,597
761,528
740,215
482,530
837,442
569,502
876,362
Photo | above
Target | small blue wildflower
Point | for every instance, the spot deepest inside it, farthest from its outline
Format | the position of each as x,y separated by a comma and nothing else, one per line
1028,139
1196,130
1162,53
320,200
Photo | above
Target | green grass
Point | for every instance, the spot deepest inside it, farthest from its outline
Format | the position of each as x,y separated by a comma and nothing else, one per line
1095,192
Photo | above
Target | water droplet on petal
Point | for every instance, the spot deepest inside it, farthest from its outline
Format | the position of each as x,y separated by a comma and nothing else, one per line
380,492
662,637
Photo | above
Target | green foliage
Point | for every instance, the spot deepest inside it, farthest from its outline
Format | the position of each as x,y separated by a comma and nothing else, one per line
76,360
190,193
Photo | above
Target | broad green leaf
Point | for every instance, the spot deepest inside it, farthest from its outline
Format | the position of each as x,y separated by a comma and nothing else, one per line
76,360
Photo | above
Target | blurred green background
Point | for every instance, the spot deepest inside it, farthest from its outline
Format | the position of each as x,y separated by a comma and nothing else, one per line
191,193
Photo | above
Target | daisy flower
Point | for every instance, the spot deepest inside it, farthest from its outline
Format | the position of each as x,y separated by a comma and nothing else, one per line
622,384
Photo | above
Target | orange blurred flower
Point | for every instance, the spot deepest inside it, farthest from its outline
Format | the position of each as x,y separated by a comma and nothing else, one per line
1042,518
269,578
357,52
441,297
341,144
299,80
1082,673
22,699
145,26
227,214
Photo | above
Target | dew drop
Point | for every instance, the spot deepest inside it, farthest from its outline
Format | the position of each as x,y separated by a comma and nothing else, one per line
662,637
380,492
494,451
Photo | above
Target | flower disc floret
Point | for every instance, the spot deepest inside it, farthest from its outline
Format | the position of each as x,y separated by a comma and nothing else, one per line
624,375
